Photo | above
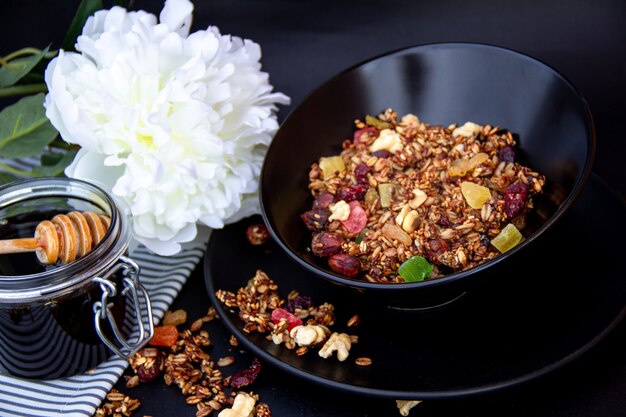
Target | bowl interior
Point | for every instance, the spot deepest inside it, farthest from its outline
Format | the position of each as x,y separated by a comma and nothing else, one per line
441,84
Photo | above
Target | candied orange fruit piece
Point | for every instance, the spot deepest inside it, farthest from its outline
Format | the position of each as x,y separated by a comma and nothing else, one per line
165,335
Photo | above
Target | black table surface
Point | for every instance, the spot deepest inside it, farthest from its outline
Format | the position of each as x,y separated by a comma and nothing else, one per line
304,43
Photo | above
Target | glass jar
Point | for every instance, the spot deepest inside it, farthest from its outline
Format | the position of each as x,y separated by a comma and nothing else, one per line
63,319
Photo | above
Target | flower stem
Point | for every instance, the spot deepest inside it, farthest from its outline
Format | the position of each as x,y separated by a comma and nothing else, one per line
17,90
24,51
17,171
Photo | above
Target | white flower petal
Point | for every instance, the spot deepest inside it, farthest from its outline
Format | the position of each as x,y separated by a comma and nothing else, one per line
175,125
177,15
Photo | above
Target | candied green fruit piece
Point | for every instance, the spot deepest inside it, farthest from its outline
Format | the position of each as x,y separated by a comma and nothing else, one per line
385,191
377,123
508,238
475,195
331,165
415,269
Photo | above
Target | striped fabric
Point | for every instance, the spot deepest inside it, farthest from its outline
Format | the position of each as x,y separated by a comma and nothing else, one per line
80,395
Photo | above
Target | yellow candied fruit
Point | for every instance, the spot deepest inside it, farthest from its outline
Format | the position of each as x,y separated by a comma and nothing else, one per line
508,238
475,195
331,165
460,167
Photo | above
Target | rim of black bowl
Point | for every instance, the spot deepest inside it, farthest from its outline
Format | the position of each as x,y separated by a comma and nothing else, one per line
388,287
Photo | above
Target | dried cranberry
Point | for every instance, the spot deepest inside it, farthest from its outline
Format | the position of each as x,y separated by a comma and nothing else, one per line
326,243
352,192
346,265
436,247
515,196
257,234
360,172
381,154
357,220
149,370
281,313
444,220
323,200
246,376
315,220
372,131
507,154
301,302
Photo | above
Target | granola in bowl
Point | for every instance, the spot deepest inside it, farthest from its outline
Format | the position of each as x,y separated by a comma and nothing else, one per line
405,200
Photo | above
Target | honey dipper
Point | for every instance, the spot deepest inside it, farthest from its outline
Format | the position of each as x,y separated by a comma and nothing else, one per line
65,237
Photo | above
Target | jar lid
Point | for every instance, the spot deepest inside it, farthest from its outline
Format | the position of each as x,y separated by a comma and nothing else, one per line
62,194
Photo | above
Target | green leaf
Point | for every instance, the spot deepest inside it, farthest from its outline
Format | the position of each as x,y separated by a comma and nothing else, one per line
360,236
15,70
24,128
85,9
53,164
415,269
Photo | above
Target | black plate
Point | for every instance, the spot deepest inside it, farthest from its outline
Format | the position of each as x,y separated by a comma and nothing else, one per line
494,337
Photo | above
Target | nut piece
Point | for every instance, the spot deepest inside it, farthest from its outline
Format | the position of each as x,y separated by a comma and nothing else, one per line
388,140
467,130
308,335
410,221
242,407
403,212
339,211
404,406
418,199
340,342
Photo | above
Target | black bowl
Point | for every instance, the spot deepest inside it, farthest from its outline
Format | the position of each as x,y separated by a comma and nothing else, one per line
441,84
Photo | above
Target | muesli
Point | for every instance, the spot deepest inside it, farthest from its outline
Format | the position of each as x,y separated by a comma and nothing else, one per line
408,201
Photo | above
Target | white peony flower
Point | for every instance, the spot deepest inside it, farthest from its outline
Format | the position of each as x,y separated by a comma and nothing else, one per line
175,124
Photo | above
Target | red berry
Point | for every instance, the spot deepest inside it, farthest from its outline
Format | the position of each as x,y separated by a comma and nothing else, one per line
371,131
281,313
357,220
515,196
326,243
346,265
360,172
323,200
353,192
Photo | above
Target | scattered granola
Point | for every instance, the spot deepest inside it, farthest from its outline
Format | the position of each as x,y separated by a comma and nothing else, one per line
117,404
185,363
300,325
401,189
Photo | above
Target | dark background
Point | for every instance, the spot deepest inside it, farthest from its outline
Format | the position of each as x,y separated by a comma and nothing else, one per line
306,42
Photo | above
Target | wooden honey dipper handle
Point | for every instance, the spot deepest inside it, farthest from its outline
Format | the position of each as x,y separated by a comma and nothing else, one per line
66,237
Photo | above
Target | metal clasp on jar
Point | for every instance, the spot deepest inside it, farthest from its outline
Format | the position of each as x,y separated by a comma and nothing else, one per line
102,308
